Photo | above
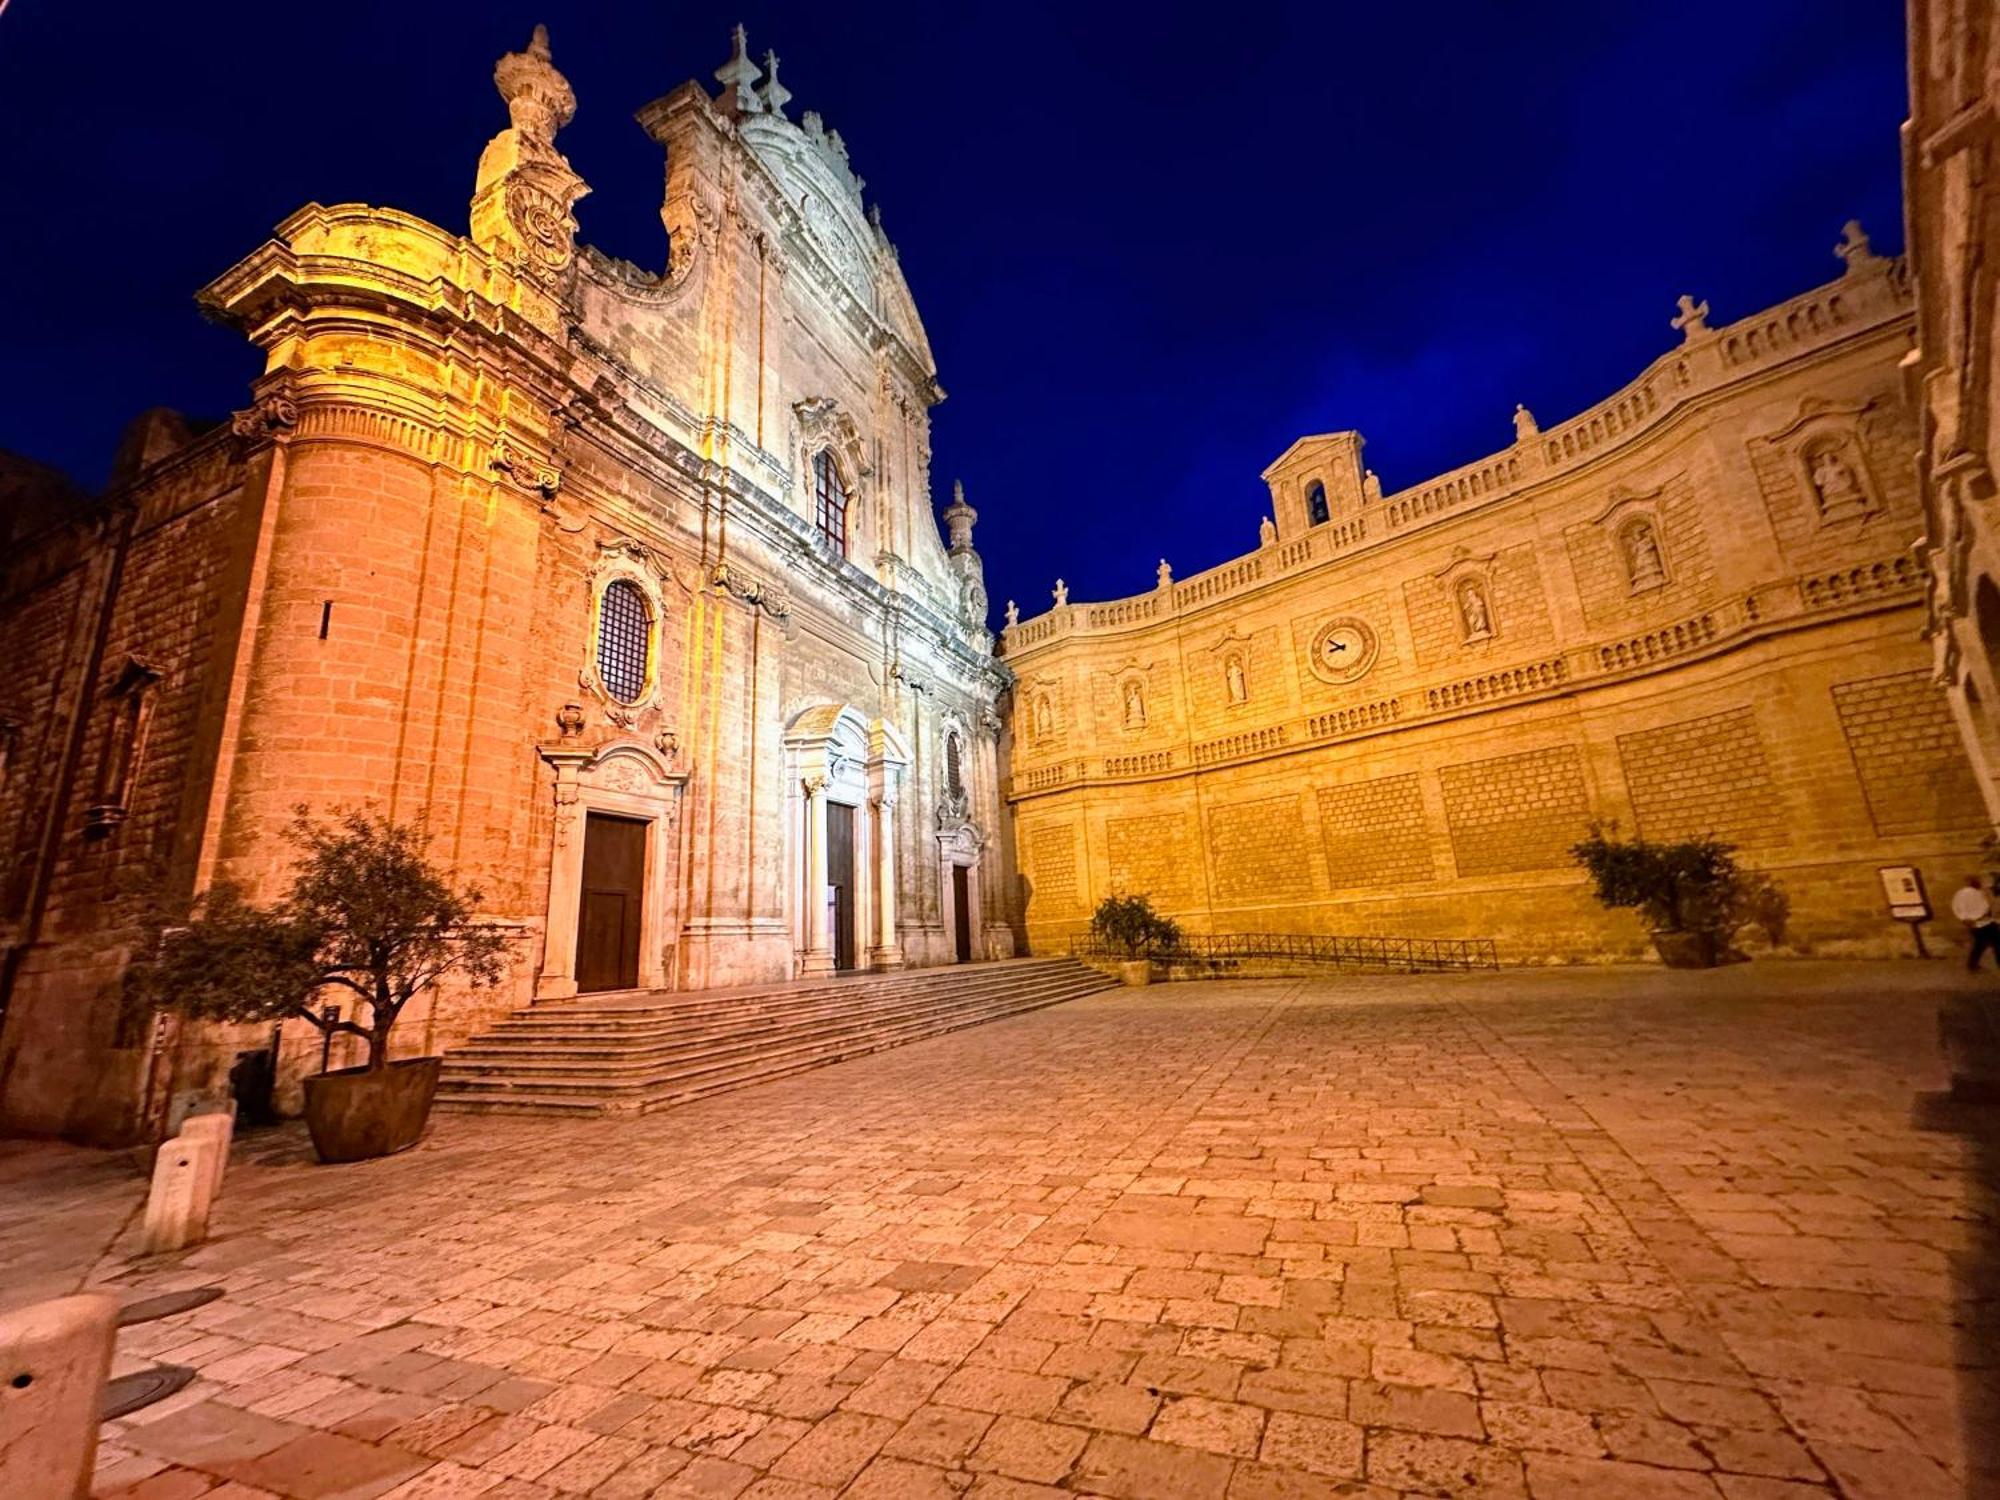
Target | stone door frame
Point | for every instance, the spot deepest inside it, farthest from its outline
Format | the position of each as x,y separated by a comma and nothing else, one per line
962,848
834,754
627,779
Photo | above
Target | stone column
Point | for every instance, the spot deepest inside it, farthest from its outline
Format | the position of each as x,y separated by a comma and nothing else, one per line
819,955
888,951
557,979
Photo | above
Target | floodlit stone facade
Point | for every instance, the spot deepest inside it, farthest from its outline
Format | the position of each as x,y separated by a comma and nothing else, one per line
1693,608
1952,211
549,551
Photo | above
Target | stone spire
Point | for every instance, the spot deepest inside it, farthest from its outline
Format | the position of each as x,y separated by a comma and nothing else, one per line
773,95
526,189
738,77
959,518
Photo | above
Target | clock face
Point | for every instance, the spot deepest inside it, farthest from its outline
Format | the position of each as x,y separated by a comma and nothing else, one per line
1343,651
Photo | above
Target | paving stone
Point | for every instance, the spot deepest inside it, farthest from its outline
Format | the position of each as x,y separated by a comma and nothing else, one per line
1412,1235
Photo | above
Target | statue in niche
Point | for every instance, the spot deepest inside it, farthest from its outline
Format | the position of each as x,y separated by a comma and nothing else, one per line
1135,705
1232,672
1474,617
1045,719
1644,566
1835,484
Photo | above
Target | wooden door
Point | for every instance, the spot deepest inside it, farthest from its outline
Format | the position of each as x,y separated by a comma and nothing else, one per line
614,894
961,908
840,881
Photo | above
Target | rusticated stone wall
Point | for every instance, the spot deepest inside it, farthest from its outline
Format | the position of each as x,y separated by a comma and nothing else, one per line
1692,609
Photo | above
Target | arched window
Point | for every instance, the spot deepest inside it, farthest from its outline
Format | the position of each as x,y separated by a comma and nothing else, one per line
830,500
1316,511
624,640
954,775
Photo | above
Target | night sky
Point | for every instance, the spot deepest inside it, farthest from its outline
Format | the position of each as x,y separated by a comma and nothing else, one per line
1151,245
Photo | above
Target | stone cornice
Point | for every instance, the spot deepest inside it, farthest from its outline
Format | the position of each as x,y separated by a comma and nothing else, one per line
1806,602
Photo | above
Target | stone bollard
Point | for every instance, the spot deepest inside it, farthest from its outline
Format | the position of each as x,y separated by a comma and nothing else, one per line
54,1357
177,1207
221,1128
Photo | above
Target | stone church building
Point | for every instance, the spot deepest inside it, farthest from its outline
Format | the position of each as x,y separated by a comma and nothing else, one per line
624,582
1695,608
626,585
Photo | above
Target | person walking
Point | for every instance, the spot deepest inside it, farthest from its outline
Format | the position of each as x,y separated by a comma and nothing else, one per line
1974,908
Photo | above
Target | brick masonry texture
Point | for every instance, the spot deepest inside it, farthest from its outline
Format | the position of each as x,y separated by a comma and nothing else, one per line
1515,812
1908,754
1374,832
1361,1237
1155,855
1258,850
1705,776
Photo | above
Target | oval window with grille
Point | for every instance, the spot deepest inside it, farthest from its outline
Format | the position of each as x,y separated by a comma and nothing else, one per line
624,640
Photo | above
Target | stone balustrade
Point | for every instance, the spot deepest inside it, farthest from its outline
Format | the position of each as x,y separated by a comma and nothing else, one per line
1711,358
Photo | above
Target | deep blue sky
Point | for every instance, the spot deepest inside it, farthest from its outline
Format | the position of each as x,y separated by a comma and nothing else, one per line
1152,245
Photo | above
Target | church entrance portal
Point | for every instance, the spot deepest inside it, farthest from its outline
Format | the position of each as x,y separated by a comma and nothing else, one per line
840,892
612,903
961,908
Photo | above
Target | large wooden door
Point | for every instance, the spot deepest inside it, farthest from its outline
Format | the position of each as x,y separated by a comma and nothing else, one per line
614,886
961,909
840,881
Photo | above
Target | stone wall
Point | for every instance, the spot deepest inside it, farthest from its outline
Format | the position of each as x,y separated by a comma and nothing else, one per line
1692,609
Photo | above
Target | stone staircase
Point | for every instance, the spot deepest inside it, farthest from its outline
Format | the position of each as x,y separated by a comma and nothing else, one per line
634,1052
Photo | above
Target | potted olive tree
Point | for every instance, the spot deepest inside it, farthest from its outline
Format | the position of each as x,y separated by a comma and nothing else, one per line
1129,925
368,920
1691,892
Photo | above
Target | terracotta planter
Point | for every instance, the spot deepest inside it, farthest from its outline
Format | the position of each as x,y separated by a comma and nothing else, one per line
1687,950
1136,971
355,1114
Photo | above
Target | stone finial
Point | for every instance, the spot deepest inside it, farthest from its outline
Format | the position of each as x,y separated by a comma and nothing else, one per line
738,76
959,518
539,99
1525,426
1013,614
1692,320
525,189
1163,575
773,95
1855,252
1062,593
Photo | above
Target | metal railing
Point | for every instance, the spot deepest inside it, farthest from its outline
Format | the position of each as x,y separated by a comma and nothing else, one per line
1225,950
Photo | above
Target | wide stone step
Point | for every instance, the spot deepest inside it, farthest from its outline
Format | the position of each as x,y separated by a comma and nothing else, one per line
652,1006
615,1062
508,1071
596,1073
694,1030
664,1093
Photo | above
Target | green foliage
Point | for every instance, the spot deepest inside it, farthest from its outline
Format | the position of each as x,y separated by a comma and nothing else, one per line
1131,924
1690,885
367,913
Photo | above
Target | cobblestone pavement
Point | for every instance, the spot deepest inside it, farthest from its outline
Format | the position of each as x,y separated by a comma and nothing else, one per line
1576,1235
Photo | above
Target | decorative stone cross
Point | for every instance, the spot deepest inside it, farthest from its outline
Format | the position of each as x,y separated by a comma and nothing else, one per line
1693,319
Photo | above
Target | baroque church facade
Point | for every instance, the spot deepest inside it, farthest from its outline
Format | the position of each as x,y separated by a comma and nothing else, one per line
625,584
1696,608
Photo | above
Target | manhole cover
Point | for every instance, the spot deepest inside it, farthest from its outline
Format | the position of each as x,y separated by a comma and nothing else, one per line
166,1305
130,1392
